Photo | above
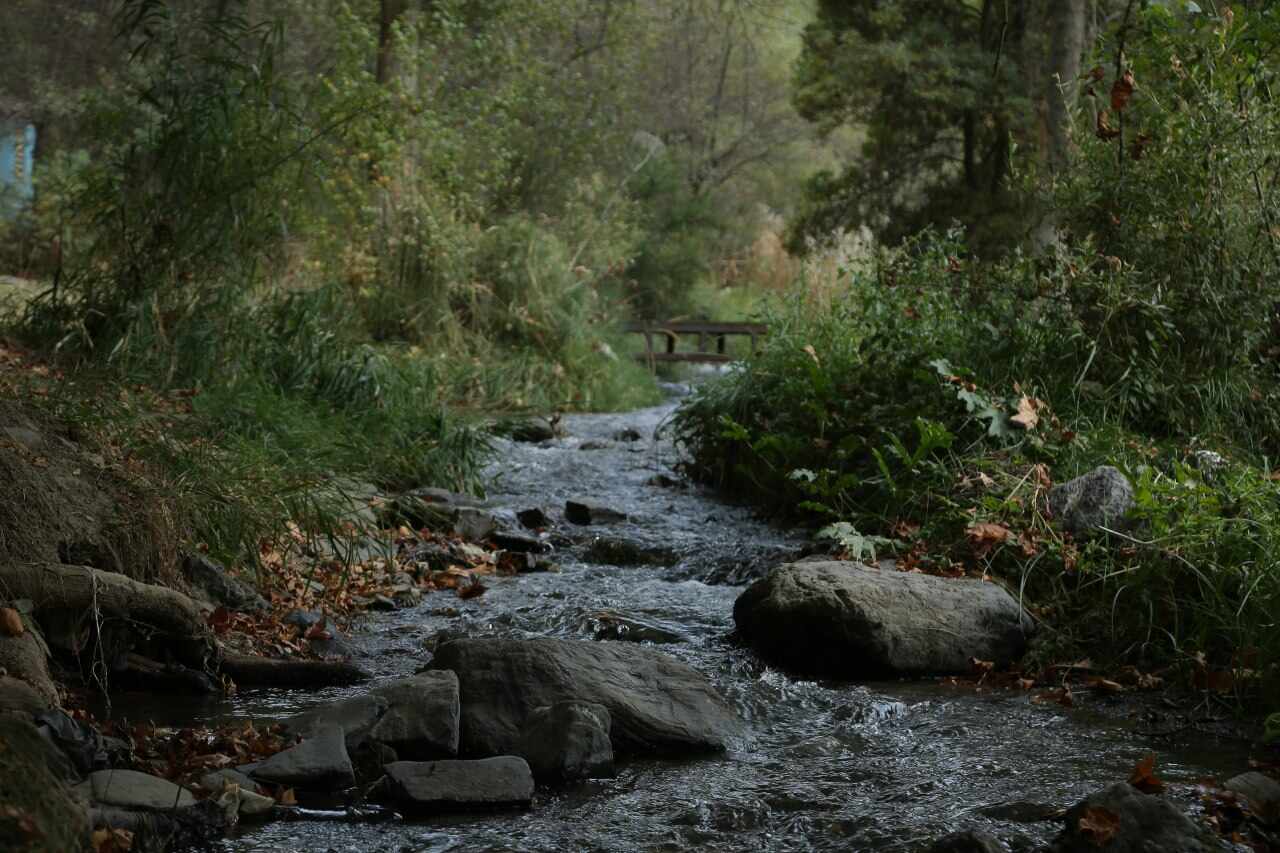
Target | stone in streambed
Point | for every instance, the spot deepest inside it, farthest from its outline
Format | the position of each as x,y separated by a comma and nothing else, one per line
450,785
583,513
844,619
615,626
1262,792
658,705
415,716
1134,822
568,741
422,717
319,763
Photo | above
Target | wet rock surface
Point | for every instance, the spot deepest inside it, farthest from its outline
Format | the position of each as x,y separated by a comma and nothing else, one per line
501,781
844,619
319,763
567,741
1122,819
658,705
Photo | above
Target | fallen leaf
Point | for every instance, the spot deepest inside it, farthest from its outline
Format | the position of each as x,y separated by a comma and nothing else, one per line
1122,91
1028,413
986,535
1144,776
1098,824
1104,130
813,354
11,622
287,798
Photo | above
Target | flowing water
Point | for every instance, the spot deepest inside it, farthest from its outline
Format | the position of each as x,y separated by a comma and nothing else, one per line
822,765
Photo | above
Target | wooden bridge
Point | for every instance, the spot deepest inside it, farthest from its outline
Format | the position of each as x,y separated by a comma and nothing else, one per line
705,330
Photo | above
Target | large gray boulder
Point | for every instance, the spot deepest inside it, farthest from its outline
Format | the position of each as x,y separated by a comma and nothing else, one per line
1101,498
449,785
844,619
416,716
319,763
568,741
1122,819
658,705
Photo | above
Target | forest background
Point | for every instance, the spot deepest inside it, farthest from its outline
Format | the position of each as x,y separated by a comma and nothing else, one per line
998,242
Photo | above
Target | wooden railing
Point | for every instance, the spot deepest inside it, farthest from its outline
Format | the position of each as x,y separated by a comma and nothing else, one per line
704,330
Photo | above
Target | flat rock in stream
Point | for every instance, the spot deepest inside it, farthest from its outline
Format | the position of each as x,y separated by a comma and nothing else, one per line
658,705
319,763
449,785
1134,822
582,513
843,619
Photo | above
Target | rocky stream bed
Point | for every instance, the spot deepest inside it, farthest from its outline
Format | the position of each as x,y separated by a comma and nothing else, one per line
808,764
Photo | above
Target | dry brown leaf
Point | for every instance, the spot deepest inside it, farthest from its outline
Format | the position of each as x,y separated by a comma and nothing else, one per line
106,840
1104,130
11,622
813,354
1098,824
984,536
1028,413
1122,91
1144,776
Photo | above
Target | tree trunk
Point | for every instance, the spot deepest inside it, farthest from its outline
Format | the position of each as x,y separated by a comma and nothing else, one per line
388,12
1067,25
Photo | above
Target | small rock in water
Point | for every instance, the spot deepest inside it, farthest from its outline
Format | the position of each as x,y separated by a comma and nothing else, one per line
594,444
624,552
534,518
521,543
319,763
1262,792
583,513
448,785
535,430
568,741
1134,822
628,434
615,626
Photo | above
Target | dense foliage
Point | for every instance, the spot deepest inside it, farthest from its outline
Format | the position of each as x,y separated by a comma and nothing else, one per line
926,403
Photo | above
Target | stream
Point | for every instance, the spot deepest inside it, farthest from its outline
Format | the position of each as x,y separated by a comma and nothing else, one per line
822,766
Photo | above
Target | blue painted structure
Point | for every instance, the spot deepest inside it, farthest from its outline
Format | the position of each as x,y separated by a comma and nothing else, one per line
17,159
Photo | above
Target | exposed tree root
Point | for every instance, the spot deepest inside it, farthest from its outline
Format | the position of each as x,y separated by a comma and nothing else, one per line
246,670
